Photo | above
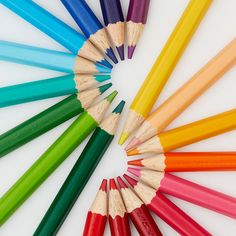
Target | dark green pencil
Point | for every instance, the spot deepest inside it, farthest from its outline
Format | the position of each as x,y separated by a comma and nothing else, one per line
80,174
48,119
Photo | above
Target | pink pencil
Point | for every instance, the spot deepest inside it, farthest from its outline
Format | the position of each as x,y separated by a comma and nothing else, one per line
188,191
166,210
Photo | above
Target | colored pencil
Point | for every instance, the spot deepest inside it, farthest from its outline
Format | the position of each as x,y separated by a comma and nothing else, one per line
135,22
164,65
48,119
118,217
186,95
189,161
138,212
48,88
48,59
97,215
188,191
80,174
56,29
188,134
115,23
166,210
52,158
90,26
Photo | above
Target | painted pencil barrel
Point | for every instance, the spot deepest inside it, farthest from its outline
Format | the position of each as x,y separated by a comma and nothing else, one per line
200,161
48,88
47,23
175,217
45,165
199,195
39,124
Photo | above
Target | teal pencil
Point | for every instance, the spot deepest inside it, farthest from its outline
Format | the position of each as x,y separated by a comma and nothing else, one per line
48,59
48,88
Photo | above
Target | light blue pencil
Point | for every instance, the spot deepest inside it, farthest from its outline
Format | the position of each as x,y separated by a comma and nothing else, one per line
55,28
48,59
48,88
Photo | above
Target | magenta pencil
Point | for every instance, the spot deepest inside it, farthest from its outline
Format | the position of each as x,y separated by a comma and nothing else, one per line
188,191
166,210
136,20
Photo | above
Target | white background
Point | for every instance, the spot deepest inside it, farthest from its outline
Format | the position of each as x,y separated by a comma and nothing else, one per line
216,30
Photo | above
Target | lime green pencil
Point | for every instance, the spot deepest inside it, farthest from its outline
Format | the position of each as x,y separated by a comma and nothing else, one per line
52,158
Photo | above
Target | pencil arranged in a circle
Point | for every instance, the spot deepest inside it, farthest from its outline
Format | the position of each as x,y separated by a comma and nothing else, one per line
188,191
48,88
189,161
48,59
56,29
115,24
48,119
186,95
80,174
135,22
138,212
97,216
52,158
188,134
118,216
164,66
90,26
166,210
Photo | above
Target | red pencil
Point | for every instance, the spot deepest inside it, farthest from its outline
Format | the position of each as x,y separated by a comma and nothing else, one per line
118,217
138,212
166,210
97,215
188,191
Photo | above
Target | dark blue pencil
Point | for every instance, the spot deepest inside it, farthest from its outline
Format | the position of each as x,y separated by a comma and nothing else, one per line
90,25
114,21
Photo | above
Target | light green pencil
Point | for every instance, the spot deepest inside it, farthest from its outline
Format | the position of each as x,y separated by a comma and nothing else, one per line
52,158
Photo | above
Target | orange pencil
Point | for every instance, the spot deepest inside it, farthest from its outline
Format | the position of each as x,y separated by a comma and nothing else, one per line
189,161
187,134
186,95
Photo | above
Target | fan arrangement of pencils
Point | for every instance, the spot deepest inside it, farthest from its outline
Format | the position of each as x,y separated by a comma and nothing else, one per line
142,189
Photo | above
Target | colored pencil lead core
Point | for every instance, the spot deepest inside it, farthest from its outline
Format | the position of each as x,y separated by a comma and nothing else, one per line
102,69
121,183
103,186
135,162
130,180
119,107
104,87
111,55
132,152
134,171
131,51
104,62
121,52
123,138
111,96
132,144
102,78
112,184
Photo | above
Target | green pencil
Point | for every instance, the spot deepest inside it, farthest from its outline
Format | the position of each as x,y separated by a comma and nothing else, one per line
52,158
48,119
80,174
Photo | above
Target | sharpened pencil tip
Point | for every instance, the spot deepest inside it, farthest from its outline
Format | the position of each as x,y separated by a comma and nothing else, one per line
134,171
119,108
135,162
102,78
111,55
104,62
130,180
131,51
111,96
104,87
102,69
121,52
123,137
121,183
132,144
132,152
112,184
103,186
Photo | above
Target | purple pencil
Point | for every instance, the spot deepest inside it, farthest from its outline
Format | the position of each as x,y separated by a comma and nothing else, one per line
136,20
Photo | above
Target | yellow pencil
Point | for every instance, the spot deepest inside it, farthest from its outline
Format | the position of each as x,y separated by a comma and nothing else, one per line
164,65
187,134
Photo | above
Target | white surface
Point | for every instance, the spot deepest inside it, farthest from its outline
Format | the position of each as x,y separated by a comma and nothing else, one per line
215,31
